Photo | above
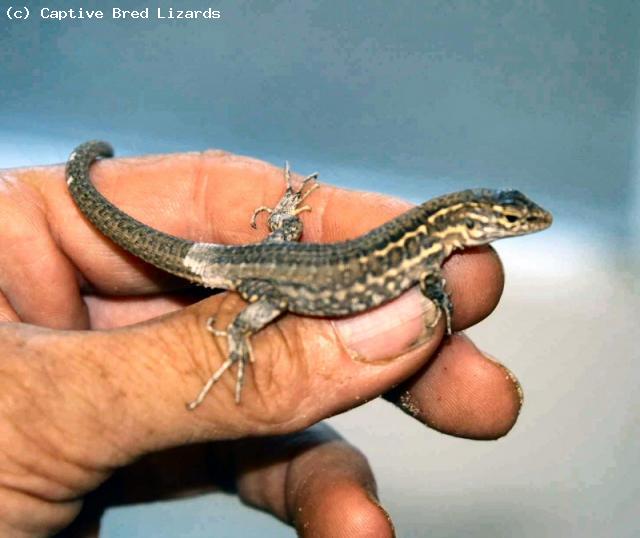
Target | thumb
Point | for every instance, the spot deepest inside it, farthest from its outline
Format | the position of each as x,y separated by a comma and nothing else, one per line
305,369
121,393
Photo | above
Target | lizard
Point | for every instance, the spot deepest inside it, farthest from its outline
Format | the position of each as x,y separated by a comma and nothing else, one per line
328,280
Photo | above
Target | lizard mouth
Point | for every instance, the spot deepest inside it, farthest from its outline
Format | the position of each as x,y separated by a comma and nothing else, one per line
539,219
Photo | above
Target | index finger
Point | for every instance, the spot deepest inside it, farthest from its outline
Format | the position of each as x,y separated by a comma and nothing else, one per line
207,196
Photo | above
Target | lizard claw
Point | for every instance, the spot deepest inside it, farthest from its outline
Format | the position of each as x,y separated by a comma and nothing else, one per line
312,177
216,332
257,212
302,209
241,354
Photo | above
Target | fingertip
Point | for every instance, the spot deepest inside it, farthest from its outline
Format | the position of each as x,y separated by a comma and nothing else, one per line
334,494
343,509
507,400
314,480
463,392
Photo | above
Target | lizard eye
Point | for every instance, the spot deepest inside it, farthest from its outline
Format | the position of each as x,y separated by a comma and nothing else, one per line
511,218
470,223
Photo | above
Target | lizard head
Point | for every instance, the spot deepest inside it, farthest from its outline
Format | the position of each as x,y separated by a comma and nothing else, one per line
478,216
491,214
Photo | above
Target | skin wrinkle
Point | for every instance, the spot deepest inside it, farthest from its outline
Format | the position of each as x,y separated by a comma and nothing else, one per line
51,517
108,402
275,414
200,187
35,490
324,227
305,401
267,379
206,352
18,465
40,468
80,461
189,344
212,351
82,318
69,392
8,313
49,444
294,350
269,403
268,344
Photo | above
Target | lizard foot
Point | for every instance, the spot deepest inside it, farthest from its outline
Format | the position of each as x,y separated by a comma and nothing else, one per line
238,333
240,352
432,286
284,223
225,334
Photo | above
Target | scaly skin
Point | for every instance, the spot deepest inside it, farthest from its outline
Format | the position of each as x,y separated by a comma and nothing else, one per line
328,280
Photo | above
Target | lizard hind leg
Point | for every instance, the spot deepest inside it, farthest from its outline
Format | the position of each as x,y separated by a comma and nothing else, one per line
248,322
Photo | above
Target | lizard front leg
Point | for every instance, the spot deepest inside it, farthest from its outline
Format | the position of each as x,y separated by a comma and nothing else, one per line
284,222
432,286
248,322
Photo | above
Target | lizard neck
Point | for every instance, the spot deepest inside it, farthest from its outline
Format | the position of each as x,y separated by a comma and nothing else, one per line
447,220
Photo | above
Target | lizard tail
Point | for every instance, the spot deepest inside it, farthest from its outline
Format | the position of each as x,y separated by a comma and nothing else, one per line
160,249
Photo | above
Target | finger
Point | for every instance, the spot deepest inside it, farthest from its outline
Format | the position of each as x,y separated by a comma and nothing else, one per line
482,400
349,359
130,386
122,393
208,196
37,281
315,481
108,312
200,209
203,207
462,392
7,313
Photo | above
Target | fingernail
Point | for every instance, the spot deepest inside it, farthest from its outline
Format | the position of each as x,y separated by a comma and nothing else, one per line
390,330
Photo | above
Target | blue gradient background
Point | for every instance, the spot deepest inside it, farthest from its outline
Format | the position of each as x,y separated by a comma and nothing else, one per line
411,98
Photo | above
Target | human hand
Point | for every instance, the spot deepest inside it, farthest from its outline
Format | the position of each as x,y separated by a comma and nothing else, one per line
92,380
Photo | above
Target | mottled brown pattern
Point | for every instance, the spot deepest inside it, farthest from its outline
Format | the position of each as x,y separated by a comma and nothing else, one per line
314,279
